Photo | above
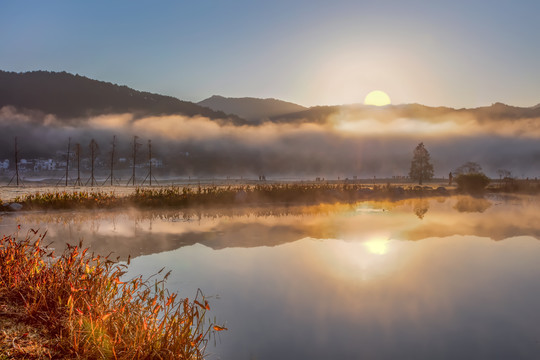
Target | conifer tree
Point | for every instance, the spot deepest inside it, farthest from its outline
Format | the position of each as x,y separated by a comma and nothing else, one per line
421,167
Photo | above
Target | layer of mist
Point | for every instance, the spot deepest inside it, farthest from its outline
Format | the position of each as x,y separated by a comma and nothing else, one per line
354,141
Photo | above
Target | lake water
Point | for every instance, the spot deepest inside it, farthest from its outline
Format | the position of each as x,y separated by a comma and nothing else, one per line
432,278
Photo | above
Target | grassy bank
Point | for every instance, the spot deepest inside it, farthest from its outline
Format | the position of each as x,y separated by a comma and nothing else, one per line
182,197
76,305
259,194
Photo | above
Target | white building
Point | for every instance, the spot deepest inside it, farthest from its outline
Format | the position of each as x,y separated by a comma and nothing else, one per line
156,163
43,165
25,165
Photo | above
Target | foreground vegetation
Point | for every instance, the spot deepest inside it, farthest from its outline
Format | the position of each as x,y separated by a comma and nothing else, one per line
76,306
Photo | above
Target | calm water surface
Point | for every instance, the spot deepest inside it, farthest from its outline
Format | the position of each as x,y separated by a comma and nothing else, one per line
437,278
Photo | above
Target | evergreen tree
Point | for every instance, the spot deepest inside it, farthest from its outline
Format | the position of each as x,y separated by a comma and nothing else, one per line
421,167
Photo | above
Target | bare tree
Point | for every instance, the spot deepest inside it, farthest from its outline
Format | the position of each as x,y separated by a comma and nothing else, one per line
504,174
94,148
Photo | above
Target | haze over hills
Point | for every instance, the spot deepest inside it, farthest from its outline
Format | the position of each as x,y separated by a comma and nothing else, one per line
45,109
272,110
251,108
321,114
73,96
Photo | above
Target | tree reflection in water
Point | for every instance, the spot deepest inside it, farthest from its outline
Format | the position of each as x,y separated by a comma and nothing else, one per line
421,207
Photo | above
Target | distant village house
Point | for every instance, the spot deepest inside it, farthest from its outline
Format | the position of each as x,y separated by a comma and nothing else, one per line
4,165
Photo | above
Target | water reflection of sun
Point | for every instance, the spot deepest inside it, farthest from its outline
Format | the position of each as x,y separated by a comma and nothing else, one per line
377,246
359,260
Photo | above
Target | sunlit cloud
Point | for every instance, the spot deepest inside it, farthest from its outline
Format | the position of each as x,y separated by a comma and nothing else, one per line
112,121
178,127
400,126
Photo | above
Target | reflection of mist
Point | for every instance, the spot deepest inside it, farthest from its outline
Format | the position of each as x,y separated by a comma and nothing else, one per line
509,217
472,204
137,233
144,232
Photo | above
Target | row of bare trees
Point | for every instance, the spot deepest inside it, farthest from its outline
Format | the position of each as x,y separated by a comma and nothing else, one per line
94,151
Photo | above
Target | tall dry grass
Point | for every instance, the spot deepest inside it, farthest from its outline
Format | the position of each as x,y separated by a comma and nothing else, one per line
92,313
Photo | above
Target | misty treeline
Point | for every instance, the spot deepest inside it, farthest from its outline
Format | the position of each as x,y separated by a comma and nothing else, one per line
343,145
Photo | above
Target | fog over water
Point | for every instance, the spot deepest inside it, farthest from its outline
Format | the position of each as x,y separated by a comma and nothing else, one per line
141,232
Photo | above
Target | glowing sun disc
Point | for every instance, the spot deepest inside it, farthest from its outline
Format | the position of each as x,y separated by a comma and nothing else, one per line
377,98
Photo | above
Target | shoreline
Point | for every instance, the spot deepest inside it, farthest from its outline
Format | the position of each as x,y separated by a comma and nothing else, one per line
250,194
204,196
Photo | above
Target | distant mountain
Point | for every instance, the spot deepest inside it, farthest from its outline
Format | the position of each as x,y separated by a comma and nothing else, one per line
71,96
323,114
251,108
502,111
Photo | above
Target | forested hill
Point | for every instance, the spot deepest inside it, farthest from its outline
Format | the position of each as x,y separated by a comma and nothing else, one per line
73,96
494,112
250,108
69,96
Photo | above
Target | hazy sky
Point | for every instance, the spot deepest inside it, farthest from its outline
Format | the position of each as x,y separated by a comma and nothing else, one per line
460,53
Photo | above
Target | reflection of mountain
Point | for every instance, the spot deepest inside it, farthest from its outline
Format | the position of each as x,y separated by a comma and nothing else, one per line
142,233
489,230
144,242
147,232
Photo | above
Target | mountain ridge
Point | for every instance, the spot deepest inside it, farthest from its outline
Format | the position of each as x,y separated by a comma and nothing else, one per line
251,108
494,112
72,96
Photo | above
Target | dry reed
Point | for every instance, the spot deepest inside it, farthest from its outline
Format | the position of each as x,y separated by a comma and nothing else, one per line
90,312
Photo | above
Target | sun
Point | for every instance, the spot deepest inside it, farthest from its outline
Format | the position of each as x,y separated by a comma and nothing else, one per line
377,98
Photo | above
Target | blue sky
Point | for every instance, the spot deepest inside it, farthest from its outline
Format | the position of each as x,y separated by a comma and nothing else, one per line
440,53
